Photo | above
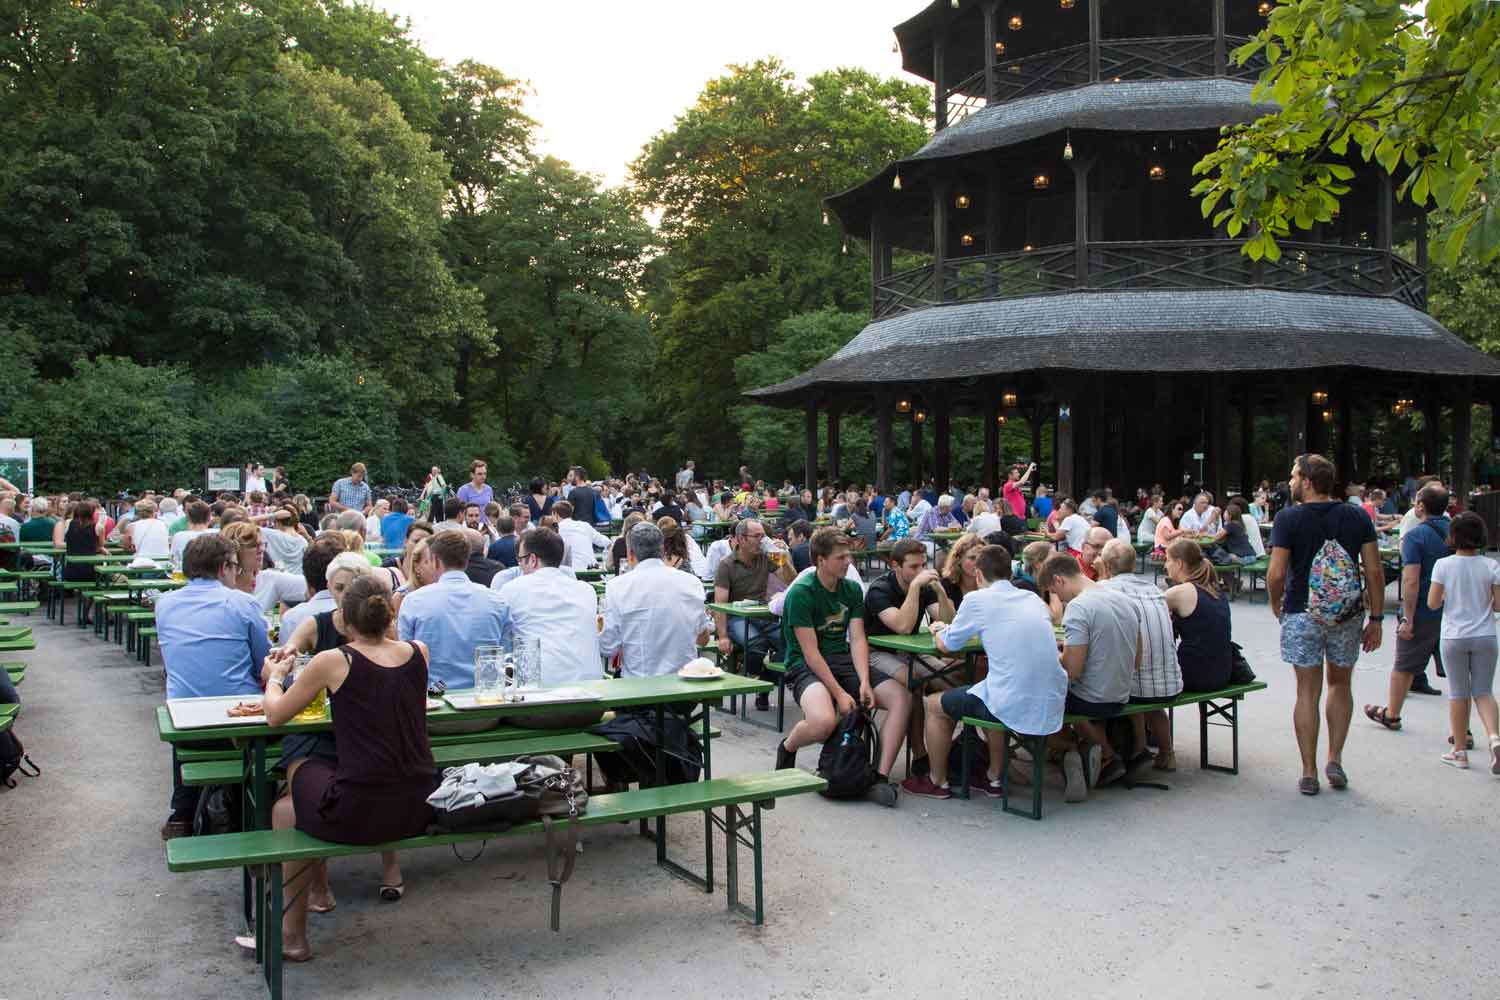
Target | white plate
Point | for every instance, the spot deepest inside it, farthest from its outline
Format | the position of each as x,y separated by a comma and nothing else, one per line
433,704
701,676
465,701
203,713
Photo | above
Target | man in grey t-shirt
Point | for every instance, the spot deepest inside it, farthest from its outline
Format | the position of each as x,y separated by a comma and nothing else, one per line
1101,653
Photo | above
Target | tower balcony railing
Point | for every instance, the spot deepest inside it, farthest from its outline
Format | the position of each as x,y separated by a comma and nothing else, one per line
1178,57
1167,264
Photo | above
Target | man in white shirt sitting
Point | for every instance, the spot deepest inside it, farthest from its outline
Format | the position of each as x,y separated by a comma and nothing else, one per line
560,612
1203,519
580,538
197,516
654,617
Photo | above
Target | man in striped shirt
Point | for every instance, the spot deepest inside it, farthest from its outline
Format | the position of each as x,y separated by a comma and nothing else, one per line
1158,678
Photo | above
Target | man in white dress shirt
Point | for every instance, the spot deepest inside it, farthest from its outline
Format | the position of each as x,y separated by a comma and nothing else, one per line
580,538
654,616
559,611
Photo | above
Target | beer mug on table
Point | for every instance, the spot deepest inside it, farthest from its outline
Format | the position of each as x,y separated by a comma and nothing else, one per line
489,674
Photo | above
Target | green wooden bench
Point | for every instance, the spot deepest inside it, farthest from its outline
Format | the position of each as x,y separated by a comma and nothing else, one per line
1221,705
58,590
779,669
14,633
17,645
29,580
16,672
143,637
18,607
231,770
264,851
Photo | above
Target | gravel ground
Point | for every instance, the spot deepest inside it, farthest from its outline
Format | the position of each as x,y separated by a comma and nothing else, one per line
1225,886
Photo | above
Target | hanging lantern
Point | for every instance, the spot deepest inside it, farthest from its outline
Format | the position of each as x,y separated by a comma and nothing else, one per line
1320,397
920,416
1015,22
825,218
1068,150
999,49
967,239
1157,172
1008,399
1264,10
1041,182
845,249
1002,420
895,46
896,183
903,406
1027,248
1066,4
1327,416
953,4
962,201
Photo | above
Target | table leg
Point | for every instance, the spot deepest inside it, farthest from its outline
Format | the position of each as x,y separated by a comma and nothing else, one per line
661,779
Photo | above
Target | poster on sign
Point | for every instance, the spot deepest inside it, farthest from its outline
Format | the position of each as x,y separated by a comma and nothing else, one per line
224,479
16,462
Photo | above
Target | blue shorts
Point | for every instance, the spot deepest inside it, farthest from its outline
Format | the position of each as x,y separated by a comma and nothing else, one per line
959,702
1305,643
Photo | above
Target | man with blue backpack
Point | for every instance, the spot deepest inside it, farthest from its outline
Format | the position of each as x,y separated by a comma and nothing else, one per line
1329,610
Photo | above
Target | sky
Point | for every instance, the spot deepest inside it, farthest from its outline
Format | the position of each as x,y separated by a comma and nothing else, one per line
607,75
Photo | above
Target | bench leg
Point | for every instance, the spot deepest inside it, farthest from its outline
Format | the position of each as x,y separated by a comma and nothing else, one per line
736,822
962,791
271,936
1037,747
781,702
1228,711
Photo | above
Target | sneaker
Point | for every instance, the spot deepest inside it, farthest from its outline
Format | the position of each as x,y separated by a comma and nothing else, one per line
1076,786
1093,763
921,786
1111,772
1457,758
785,758
920,765
980,782
763,702
1166,760
1424,689
884,792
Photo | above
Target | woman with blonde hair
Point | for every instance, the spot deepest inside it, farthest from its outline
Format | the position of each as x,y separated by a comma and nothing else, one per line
1200,617
960,574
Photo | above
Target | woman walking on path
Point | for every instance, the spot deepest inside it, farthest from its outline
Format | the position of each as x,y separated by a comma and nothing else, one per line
1466,585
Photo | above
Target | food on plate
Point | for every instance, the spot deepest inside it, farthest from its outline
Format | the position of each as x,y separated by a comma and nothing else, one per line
241,709
699,668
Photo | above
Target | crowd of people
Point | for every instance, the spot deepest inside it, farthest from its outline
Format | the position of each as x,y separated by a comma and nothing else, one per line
389,606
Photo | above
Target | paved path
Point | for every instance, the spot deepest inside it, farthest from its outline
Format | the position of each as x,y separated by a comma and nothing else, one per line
1224,886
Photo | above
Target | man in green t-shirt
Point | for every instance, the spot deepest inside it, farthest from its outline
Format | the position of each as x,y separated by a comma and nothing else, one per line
828,661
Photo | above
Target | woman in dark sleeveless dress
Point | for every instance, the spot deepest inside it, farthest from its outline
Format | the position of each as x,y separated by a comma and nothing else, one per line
377,790
1200,617
81,539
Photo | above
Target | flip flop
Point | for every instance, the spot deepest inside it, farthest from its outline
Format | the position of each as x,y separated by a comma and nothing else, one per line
1376,713
392,893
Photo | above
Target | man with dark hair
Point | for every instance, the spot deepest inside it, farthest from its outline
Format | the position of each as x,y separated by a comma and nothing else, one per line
1420,626
453,614
798,535
828,661
213,642
580,537
745,576
320,552
1106,514
351,492
1101,652
476,491
1025,688
895,604
395,525
1301,535
503,549
453,516
197,526
557,611
583,498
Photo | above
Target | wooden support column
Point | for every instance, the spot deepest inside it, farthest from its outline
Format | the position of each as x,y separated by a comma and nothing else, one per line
939,237
880,262
939,85
1247,442
810,465
1063,451
916,448
1164,460
1094,433
1095,30
991,35
1296,421
991,417
1463,451
834,472
940,446
1081,170
1344,450
1036,417
1432,417
885,450
1216,410
1221,49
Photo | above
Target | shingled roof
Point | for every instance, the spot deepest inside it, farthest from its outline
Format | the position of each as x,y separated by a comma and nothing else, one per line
1175,332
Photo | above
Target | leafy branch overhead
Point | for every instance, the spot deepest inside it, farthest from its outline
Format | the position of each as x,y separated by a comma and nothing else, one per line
1412,88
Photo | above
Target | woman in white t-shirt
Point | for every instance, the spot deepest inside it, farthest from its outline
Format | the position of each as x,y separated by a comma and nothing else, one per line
1466,586
149,538
1150,517
1072,529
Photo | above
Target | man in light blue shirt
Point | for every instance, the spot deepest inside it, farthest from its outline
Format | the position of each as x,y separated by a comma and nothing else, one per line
213,642
1026,686
453,615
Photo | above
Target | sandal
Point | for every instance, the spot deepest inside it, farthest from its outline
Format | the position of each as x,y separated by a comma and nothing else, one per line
1376,713
1336,776
1307,786
392,893
1468,743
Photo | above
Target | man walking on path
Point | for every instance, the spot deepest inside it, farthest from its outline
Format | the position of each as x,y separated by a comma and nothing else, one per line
1315,593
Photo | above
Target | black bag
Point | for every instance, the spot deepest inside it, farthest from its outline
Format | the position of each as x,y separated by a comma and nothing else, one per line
13,759
979,755
848,759
635,762
1239,667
